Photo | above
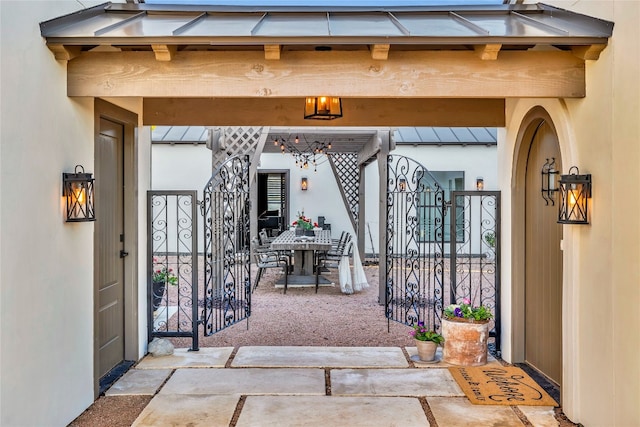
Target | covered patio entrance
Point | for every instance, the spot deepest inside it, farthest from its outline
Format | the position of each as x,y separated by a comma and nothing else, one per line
419,66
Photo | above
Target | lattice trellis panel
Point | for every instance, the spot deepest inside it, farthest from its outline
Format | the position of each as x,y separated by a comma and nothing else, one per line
347,174
237,141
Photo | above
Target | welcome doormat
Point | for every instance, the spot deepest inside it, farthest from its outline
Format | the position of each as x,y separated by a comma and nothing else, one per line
500,385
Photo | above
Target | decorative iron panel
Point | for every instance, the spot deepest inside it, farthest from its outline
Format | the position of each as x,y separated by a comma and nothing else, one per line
475,262
172,273
414,273
226,211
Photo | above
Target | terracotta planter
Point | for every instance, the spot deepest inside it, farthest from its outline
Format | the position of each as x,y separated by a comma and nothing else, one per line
426,350
465,343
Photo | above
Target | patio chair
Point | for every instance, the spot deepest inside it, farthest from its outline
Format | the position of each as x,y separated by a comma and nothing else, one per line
325,261
271,259
337,250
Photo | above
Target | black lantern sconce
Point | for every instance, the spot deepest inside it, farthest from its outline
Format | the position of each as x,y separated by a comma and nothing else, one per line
402,184
77,189
479,183
575,192
549,186
323,108
304,183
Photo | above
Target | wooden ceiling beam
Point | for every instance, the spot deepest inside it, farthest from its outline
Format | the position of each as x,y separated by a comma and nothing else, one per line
365,112
488,52
164,52
64,53
590,52
272,51
380,51
405,74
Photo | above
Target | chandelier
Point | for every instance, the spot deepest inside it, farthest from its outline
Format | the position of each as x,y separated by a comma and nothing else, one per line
306,154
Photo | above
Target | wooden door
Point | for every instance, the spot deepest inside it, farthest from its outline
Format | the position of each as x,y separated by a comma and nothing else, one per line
109,241
543,269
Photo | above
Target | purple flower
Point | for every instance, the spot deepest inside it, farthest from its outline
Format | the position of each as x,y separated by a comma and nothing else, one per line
420,323
457,312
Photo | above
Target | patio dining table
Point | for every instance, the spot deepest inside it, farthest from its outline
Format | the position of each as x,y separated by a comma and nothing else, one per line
303,248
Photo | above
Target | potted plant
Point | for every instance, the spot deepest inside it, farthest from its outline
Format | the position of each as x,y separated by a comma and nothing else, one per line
304,226
427,341
161,276
466,330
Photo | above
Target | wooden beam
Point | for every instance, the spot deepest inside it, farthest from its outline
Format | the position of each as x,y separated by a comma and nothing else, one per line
380,51
272,51
357,112
488,52
64,53
457,74
369,150
591,52
164,52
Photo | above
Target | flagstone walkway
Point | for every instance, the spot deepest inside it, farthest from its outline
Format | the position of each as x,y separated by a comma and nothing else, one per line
309,386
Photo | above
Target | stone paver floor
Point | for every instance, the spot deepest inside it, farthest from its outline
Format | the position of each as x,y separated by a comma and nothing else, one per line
309,386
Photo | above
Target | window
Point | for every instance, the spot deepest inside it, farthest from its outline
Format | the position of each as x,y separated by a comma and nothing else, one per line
429,207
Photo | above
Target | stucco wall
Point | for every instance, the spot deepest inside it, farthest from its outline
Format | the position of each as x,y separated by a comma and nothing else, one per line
46,276
601,282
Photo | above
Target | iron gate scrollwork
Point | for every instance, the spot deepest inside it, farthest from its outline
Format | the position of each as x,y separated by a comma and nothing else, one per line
414,273
172,272
475,260
226,210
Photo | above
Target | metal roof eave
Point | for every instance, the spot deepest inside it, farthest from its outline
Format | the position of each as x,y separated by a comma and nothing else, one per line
586,30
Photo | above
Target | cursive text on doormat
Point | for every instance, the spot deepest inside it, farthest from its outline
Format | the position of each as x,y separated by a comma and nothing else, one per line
505,385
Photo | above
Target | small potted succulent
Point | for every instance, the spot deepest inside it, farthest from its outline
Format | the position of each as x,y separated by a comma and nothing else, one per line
427,341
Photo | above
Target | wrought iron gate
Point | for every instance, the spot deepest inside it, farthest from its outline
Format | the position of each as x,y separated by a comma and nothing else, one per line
475,262
172,270
438,252
184,296
414,273
226,210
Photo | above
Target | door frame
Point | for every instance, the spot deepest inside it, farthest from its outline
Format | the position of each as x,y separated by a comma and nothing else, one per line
104,109
524,137
287,184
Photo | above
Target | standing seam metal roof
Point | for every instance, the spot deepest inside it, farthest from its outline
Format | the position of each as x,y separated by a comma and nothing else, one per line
140,24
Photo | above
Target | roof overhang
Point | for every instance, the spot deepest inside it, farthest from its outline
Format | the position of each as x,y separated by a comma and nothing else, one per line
394,66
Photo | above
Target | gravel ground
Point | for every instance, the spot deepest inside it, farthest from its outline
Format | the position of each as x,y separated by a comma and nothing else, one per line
301,317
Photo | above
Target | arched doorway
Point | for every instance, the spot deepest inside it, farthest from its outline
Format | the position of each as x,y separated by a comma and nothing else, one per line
539,280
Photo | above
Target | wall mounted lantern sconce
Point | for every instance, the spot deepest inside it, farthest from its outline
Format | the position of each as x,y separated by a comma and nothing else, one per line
575,192
479,183
304,182
323,108
549,186
77,189
402,184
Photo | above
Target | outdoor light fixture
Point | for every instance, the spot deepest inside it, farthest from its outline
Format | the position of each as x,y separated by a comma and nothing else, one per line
575,192
305,153
323,108
402,184
479,183
77,189
304,183
549,187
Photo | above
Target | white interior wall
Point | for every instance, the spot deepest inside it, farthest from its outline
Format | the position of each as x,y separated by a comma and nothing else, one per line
46,275
190,167
322,197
